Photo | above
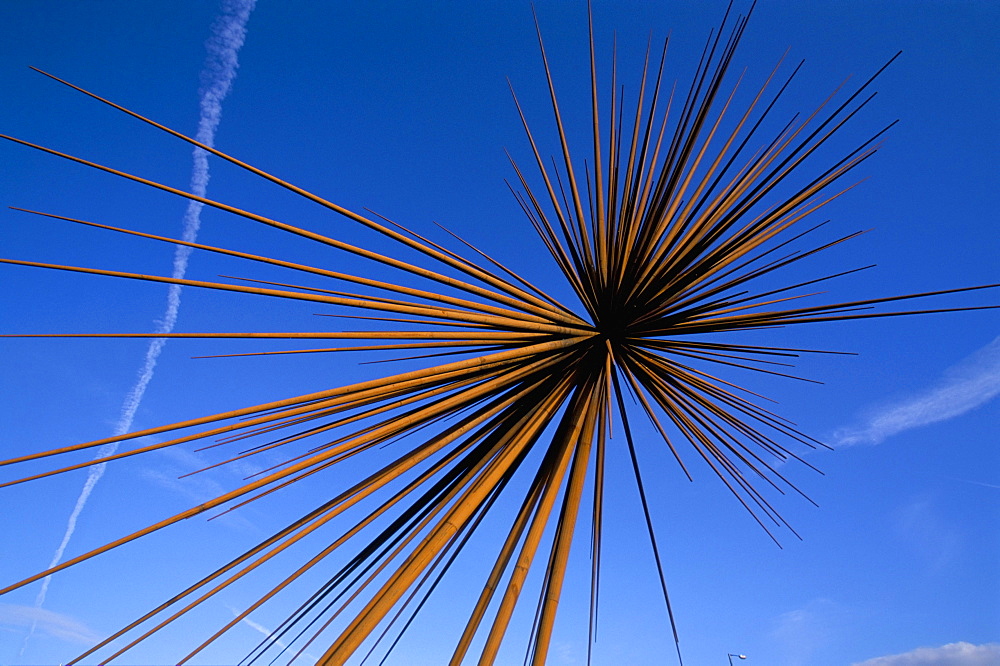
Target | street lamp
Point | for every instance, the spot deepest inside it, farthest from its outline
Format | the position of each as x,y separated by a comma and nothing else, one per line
739,656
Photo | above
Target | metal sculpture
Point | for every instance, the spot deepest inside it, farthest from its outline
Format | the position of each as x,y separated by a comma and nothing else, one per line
664,235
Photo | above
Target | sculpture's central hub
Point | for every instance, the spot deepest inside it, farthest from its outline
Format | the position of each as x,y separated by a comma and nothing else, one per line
615,331
613,325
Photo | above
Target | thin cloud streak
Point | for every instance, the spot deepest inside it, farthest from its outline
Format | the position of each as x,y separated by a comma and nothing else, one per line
972,383
256,626
799,635
48,622
227,36
980,483
952,654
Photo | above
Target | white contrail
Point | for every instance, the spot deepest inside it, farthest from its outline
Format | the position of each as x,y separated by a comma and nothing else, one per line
973,382
256,626
228,34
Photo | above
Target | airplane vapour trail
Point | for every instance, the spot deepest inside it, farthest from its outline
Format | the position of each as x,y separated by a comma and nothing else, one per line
268,633
973,382
227,36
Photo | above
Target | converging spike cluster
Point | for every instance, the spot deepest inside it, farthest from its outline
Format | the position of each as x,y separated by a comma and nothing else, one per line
664,234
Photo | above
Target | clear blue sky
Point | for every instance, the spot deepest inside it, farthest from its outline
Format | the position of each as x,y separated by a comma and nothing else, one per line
406,110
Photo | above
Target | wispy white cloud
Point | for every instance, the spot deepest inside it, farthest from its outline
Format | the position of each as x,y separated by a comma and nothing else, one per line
952,654
970,384
931,539
979,483
256,626
167,466
802,633
227,36
259,628
564,652
47,622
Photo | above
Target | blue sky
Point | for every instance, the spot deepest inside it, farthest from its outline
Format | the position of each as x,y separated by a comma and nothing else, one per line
406,110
